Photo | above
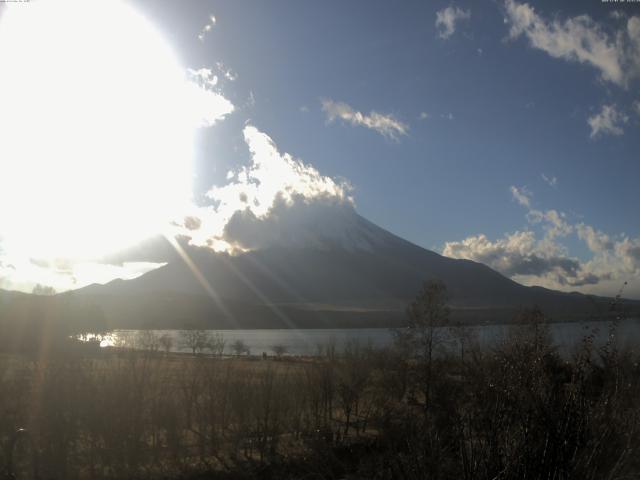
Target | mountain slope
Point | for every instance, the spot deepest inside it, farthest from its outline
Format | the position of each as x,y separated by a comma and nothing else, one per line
344,271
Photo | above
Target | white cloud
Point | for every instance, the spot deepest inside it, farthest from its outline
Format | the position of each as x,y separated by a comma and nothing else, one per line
447,18
23,274
447,116
631,50
550,180
204,76
206,104
628,250
251,101
533,260
597,241
521,255
617,14
207,28
553,222
226,72
580,39
521,195
608,121
208,107
272,179
386,125
636,106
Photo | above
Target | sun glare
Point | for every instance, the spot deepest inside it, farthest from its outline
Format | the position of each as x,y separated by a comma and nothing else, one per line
96,138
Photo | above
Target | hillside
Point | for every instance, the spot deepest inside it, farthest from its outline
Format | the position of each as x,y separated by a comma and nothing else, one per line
351,274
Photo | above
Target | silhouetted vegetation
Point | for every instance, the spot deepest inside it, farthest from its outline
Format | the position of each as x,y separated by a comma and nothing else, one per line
430,406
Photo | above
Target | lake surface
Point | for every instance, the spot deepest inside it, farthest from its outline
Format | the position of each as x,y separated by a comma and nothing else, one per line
306,342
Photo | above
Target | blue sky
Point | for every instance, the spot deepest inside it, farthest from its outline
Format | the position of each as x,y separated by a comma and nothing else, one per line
500,111
501,131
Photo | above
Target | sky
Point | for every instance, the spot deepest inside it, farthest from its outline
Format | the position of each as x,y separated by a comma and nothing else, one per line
505,132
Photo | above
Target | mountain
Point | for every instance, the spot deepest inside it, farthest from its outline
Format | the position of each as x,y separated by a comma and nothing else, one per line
328,268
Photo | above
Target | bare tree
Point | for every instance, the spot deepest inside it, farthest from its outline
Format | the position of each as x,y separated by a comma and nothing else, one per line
123,340
166,342
216,344
352,377
423,333
463,338
279,350
195,340
148,340
239,347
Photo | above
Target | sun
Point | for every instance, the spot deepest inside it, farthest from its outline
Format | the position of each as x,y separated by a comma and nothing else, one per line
96,135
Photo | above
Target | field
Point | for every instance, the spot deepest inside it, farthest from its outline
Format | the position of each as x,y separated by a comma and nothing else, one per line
516,411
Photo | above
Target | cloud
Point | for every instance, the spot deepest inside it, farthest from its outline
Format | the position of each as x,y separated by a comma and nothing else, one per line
24,274
386,125
300,222
580,39
206,105
206,78
520,254
617,14
597,241
550,180
530,259
554,222
251,100
254,193
136,131
260,204
447,18
207,28
226,72
203,76
613,259
632,48
521,195
628,250
423,116
608,121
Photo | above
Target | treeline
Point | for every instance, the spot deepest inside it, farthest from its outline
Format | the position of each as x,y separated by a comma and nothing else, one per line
419,409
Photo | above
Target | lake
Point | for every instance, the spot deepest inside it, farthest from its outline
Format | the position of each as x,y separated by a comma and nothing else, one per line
305,342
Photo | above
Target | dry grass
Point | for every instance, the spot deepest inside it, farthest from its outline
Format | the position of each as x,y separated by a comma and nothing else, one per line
517,411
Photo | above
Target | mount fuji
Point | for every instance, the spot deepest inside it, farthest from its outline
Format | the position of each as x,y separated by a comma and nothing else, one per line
318,266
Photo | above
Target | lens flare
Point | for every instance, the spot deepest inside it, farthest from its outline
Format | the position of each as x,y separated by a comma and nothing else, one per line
97,121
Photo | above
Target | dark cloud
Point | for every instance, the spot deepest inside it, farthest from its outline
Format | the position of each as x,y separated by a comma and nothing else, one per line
192,223
589,279
298,221
533,264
